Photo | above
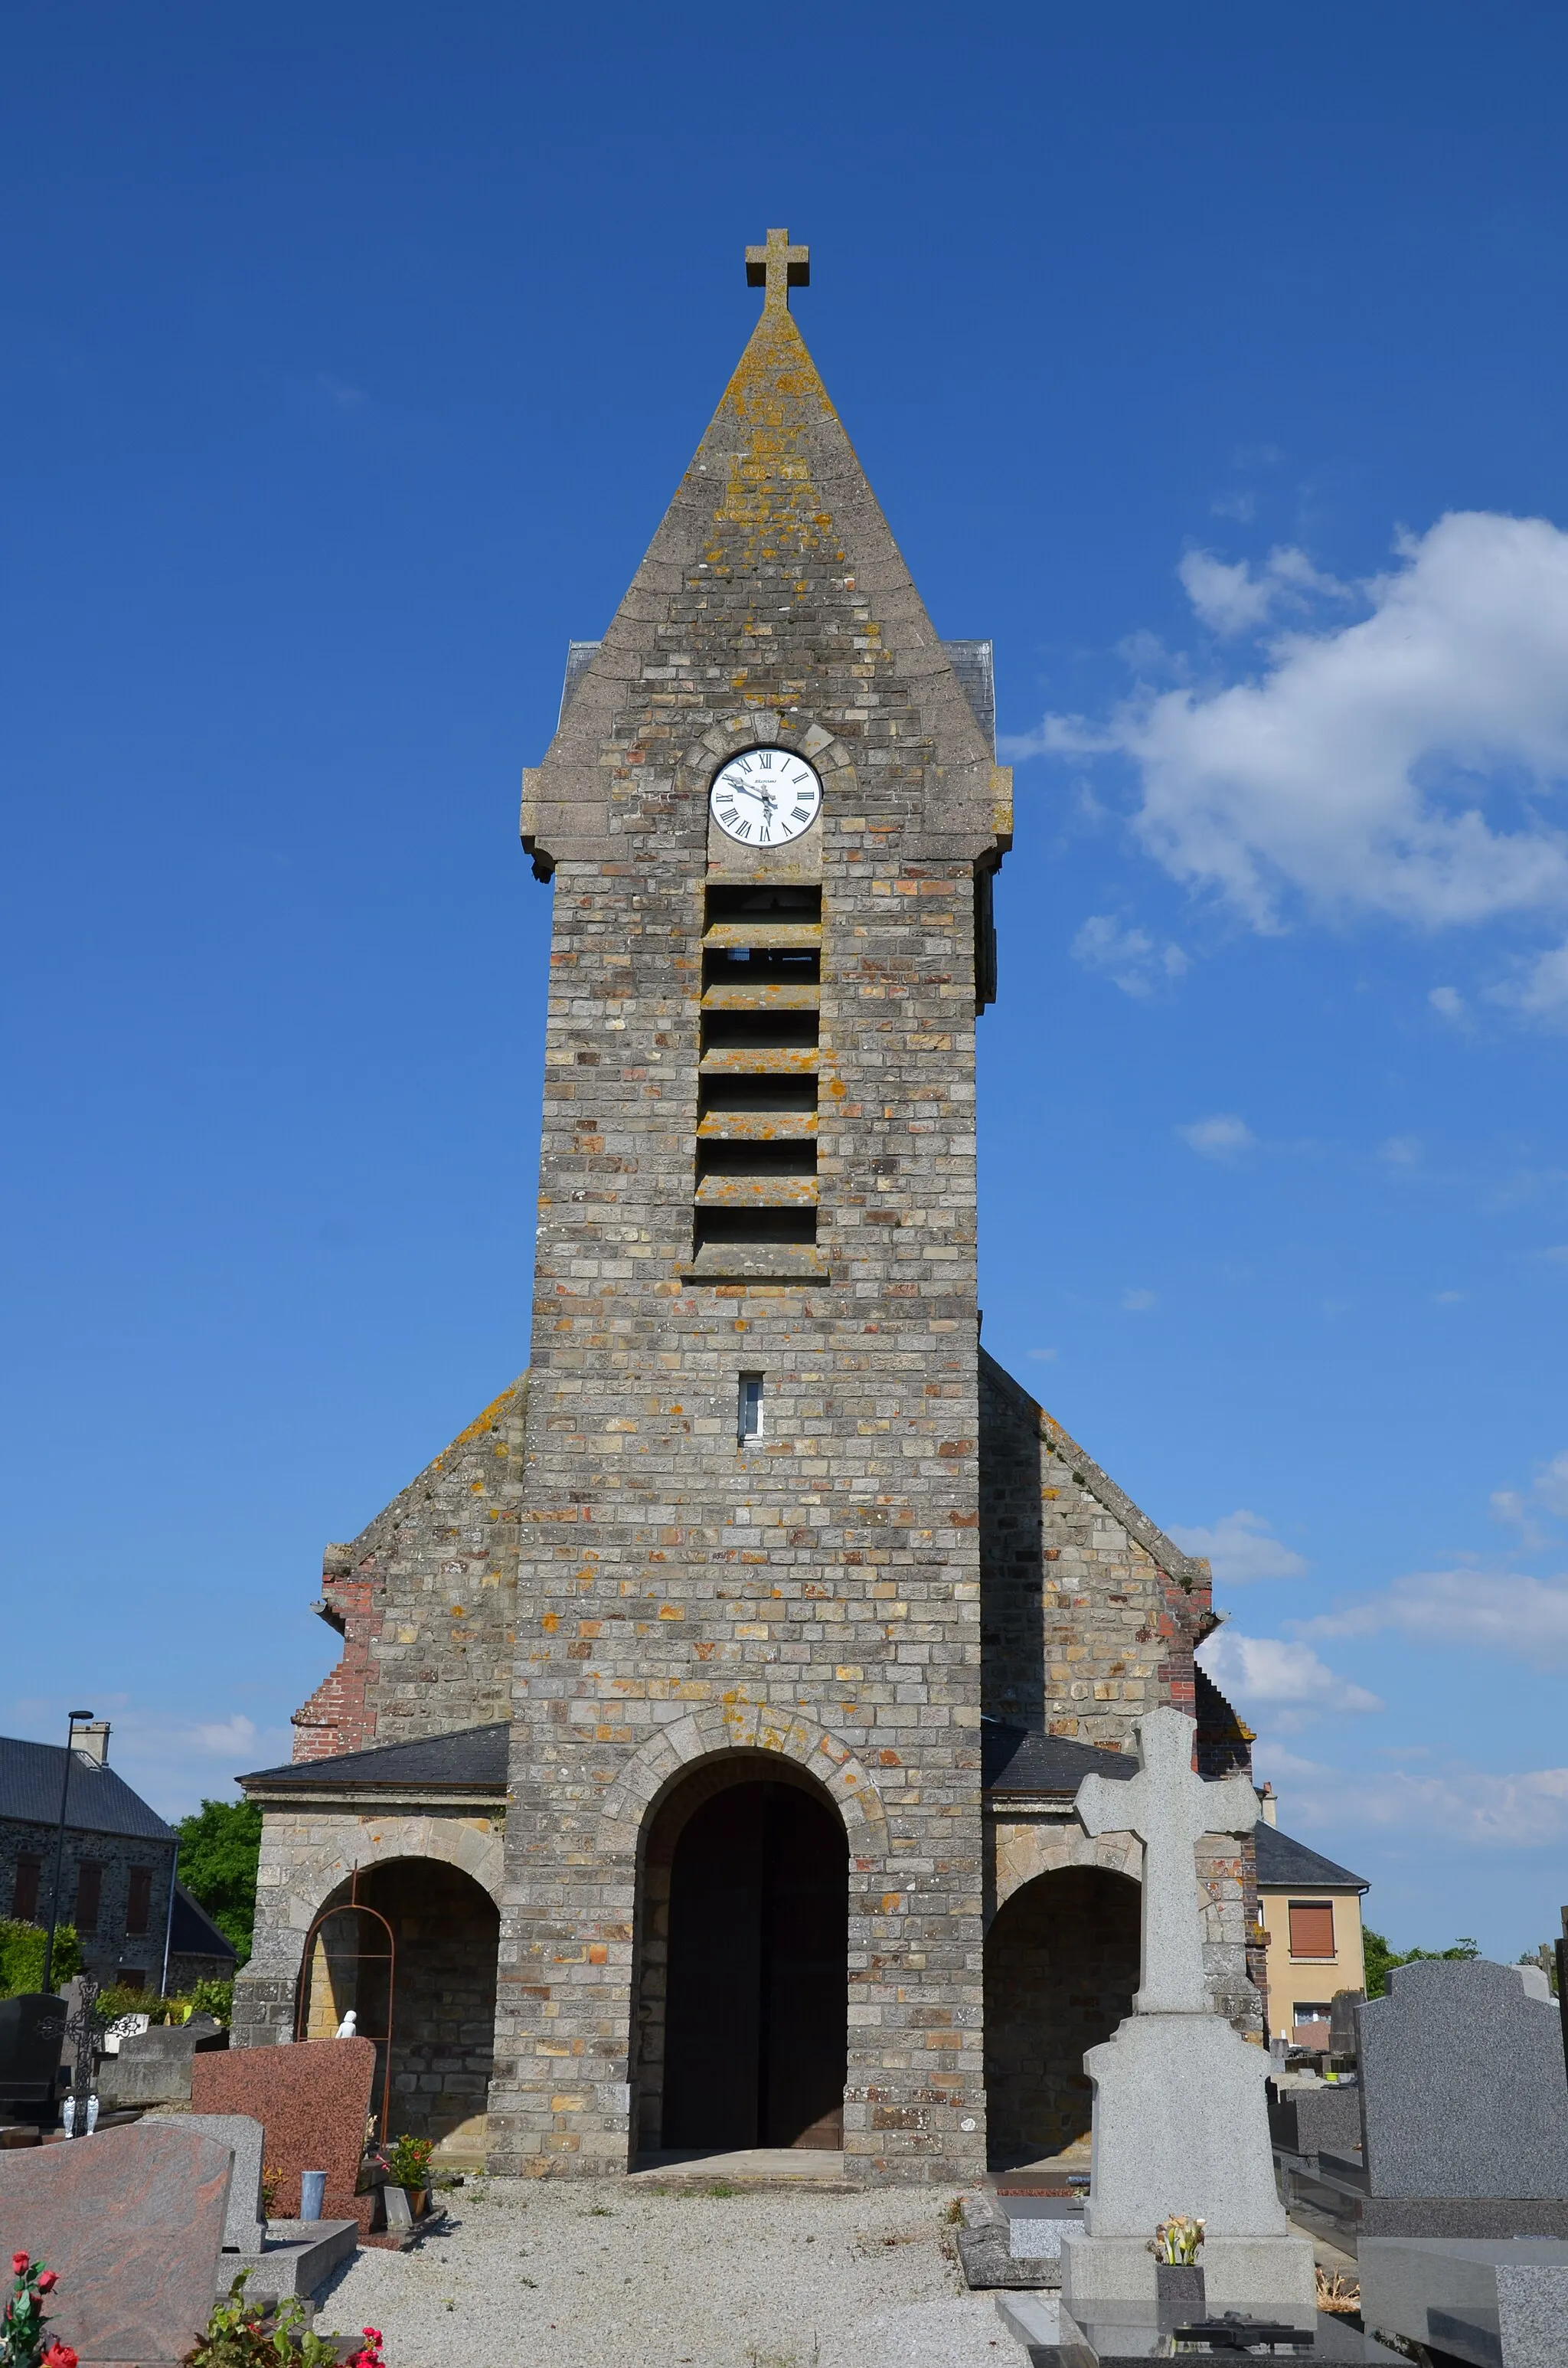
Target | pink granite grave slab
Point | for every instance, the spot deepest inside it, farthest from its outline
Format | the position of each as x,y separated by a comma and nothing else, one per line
132,2221
312,2100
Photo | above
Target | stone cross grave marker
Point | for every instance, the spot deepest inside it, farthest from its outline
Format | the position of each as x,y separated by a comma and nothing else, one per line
1171,1808
1180,2123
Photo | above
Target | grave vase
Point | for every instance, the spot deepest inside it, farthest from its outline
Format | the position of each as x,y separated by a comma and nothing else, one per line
1180,2282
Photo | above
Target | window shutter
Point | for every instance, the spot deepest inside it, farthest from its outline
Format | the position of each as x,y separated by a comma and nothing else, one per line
89,1892
138,1911
24,1898
1312,1928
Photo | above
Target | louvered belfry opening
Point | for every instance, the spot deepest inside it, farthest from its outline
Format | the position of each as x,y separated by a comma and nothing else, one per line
756,1134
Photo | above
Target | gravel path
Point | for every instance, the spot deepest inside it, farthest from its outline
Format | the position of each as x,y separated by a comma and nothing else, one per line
584,2274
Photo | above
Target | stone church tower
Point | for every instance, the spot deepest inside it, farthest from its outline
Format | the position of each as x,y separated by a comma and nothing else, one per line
710,1712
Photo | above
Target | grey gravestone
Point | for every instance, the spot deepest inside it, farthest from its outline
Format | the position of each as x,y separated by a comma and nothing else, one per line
153,2067
1464,2090
1315,2121
1341,2009
244,2223
32,2032
1499,2303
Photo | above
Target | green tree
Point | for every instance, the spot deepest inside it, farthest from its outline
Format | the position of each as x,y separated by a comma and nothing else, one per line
219,1849
1381,1959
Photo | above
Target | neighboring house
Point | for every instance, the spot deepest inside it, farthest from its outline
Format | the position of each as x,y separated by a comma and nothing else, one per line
1311,1914
114,1869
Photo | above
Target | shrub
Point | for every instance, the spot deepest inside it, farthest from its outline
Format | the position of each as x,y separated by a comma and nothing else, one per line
22,1956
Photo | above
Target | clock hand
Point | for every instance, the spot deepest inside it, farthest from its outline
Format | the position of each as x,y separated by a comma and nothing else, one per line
765,796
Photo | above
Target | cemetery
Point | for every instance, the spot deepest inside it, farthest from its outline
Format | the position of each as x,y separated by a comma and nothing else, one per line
1423,2150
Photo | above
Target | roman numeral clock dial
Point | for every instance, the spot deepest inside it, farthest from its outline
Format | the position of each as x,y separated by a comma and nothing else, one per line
766,797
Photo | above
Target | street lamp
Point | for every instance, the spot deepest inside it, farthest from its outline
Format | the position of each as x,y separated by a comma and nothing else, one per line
78,1718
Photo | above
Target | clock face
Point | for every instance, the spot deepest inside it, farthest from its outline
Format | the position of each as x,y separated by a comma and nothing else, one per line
766,797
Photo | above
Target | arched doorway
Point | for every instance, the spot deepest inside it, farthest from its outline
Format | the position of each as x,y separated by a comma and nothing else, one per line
1060,1968
742,2009
446,1933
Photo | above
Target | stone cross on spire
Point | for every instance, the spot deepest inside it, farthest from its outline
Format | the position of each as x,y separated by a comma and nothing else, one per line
778,268
1171,1808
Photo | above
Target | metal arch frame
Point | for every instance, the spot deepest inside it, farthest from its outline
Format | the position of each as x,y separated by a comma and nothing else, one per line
354,1905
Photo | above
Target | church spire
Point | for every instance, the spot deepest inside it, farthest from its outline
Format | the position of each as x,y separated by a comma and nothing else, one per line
778,268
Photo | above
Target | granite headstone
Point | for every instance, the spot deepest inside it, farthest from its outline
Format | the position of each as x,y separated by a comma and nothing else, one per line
132,2221
1497,2301
312,2099
32,2033
244,2225
1462,2085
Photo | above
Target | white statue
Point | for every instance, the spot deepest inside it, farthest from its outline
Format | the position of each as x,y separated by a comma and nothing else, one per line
349,2027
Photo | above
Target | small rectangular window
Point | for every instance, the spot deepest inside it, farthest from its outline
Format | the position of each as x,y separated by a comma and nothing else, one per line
1312,1928
750,1422
139,1907
89,1895
24,1894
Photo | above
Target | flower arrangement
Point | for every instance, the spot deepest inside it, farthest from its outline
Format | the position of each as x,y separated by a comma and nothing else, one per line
22,2341
272,2185
408,2161
370,2355
1177,2241
242,2334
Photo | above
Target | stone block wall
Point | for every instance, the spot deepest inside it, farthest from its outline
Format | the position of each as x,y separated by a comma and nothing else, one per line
1091,1614
820,1582
109,1947
424,1599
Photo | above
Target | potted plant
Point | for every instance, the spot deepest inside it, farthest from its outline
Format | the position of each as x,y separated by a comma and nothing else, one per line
1178,2274
408,2166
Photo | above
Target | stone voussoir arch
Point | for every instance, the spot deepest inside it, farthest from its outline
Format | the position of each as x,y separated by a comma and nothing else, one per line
764,727
723,1729
377,1842
1026,1852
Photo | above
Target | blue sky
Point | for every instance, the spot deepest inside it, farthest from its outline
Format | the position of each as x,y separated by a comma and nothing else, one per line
1209,360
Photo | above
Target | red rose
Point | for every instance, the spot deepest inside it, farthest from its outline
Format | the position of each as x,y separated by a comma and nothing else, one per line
48,2281
59,2355
19,2263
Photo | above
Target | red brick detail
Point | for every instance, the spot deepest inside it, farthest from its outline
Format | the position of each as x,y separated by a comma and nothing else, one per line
338,1716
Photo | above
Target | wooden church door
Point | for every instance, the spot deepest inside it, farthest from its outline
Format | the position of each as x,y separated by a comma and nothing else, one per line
757,2014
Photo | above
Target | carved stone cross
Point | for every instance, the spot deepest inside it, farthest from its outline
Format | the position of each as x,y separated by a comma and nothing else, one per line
1171,1808
778,268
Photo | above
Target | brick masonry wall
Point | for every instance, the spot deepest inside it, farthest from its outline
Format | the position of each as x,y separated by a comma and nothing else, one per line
424,1599
828,1575
110,1947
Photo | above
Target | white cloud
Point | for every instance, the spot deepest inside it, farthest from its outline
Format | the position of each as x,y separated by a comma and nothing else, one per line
1395,765
1551,1484
1401,1151
1449,1001
1497,1611
1448,1298
1232,599
1540,989
1225,1137
1459,1805
1138,1302
1286,1681
1241,1546
1044,1356
1128,956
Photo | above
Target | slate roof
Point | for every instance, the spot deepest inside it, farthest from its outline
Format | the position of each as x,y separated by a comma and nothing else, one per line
1013,1760
192,1933
1282,1859
473,1759
100,1801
